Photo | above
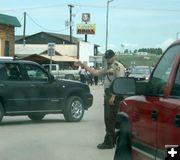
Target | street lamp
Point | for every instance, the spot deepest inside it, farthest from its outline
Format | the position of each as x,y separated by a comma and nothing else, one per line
107,15
177,35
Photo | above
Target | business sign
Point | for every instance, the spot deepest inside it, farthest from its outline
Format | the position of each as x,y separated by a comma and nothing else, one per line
86,28
86,17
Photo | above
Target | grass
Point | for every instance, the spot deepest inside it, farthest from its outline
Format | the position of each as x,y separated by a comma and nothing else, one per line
128,60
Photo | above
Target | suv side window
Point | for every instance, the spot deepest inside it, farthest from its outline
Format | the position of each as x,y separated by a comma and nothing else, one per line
176,87
162,71
35,73
11,71
3,72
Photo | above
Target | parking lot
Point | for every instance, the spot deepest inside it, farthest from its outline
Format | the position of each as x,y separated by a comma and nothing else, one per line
55,139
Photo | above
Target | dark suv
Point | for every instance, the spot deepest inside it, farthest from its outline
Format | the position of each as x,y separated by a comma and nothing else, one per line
26,88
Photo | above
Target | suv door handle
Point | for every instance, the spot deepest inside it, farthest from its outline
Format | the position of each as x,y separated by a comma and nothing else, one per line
177,120
154,115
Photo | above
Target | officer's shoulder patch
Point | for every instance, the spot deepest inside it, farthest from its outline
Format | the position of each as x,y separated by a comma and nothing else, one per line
116,64
118,68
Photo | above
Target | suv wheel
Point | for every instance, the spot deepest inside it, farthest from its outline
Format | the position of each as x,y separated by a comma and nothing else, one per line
36,117
1,112
74,109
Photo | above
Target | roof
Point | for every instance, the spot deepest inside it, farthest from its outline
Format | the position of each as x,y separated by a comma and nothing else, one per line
55,58
28,49
9,20
59,58
63,36
56,35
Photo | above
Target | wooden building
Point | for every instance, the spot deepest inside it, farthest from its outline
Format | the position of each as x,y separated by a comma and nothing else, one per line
7,25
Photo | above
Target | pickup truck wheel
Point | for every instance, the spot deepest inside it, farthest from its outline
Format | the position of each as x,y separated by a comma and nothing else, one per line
69,76
74,109
1,112
36,117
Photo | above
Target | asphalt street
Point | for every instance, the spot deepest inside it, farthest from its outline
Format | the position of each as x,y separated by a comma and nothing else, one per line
54,138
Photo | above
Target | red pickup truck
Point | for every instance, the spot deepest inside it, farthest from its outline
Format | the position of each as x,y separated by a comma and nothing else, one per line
151,112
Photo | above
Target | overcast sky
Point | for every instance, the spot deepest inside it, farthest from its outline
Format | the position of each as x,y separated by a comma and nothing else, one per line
133,23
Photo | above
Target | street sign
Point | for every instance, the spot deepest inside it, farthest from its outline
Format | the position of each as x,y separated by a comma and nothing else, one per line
51,49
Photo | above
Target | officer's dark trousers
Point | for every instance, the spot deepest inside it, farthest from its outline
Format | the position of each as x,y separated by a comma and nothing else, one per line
110,113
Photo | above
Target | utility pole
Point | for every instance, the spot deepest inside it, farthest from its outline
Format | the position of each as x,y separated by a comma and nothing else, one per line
24,29
107,18
70,21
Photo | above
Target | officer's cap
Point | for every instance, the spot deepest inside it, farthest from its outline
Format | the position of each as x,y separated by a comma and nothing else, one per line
109,54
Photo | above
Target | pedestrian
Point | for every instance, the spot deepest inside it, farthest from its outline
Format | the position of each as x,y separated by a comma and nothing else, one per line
82,74
114,69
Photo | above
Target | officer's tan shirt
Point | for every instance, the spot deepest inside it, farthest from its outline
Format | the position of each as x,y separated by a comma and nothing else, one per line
113,71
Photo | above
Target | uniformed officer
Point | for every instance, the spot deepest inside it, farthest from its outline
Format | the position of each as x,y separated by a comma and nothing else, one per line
114,69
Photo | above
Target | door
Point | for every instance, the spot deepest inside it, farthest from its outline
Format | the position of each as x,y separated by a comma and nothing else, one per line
167,103
13,88
169,117
144,117
44,94
6,49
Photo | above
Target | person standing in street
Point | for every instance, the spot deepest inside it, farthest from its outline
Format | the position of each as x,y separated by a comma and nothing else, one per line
83,74
114,69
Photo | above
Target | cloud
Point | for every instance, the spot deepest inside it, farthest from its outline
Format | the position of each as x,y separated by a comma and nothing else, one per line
165,44
129,45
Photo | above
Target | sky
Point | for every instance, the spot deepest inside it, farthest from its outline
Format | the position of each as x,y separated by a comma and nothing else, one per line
133,24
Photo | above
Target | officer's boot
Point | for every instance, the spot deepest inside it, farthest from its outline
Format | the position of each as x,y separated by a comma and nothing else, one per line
107,144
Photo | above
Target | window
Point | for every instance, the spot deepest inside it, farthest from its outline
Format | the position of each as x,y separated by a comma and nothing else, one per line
161,74
35,73
3,72
13,71
176,87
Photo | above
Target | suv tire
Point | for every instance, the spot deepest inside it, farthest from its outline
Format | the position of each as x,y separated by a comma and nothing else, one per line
74,109
36,117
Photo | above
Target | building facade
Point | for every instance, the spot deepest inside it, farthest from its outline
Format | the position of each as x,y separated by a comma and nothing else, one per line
7,25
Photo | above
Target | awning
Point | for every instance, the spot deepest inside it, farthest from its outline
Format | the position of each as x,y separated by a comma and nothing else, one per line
58,58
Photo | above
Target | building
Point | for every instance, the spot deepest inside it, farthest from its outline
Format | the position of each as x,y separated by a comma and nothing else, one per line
7,25
38,44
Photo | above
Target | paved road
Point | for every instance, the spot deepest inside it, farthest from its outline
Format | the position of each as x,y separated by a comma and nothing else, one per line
55,139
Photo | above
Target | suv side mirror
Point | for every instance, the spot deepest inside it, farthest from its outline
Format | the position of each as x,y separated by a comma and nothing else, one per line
124,86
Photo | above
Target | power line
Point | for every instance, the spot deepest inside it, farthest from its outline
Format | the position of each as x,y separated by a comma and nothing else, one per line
32,8
40,26
130,8
93,6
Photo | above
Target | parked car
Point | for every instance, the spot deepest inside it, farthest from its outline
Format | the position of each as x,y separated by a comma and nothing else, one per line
141,72
149,117
26,88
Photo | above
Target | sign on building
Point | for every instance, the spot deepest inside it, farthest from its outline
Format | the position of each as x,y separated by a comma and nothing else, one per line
51,49
86,28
